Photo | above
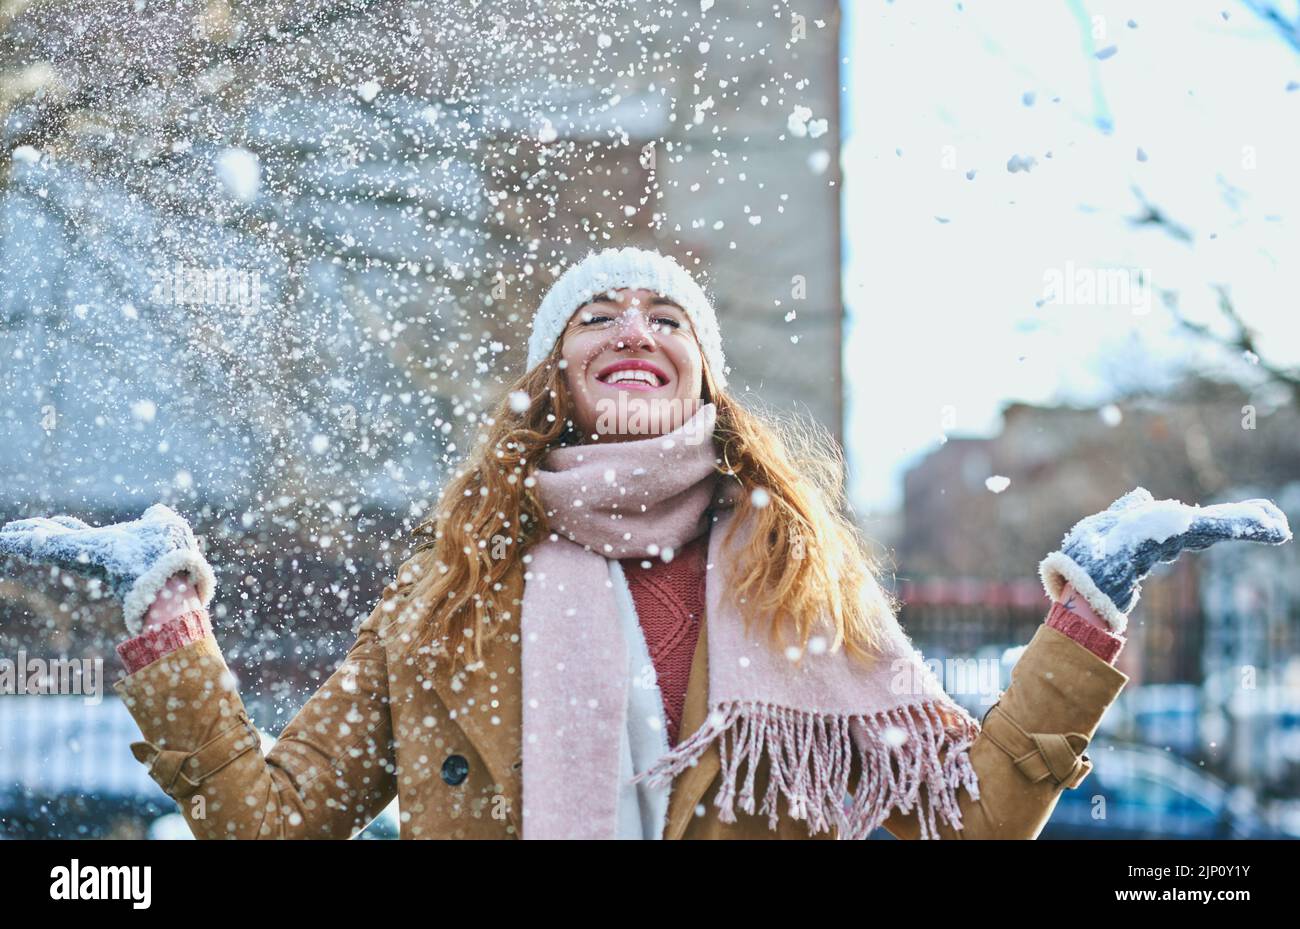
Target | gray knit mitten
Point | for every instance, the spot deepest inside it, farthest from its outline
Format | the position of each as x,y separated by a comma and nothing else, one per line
134,558
1106,555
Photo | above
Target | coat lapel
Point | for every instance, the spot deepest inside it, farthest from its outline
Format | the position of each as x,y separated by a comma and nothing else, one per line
471,697
500,745
691,784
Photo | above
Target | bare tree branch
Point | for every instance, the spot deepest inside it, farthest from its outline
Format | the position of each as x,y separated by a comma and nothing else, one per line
1153,215
1288,30
1241,339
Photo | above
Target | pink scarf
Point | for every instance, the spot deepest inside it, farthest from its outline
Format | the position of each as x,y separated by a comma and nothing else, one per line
638,498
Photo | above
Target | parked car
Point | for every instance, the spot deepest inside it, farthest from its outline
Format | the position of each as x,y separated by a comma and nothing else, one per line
1255,729
383,826
1139,792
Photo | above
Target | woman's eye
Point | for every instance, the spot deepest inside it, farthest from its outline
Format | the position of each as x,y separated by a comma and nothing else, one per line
670,321
595,319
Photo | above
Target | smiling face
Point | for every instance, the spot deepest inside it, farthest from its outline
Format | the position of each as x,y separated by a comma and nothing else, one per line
632,350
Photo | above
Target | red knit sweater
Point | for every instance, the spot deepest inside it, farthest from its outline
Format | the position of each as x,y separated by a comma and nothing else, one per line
669,598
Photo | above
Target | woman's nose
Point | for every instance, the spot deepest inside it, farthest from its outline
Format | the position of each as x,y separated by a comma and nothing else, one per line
634,331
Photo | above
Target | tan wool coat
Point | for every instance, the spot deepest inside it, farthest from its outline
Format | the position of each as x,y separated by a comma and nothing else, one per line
449,747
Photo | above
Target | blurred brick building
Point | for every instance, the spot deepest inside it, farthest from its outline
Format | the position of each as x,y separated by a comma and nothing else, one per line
1201,444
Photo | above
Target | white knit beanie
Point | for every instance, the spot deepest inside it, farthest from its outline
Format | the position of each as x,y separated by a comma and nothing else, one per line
614,269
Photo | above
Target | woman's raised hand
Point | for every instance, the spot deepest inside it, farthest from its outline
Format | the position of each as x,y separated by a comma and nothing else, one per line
136,559
1106,555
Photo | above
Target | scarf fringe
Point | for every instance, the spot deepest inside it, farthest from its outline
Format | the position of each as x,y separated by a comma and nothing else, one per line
810,761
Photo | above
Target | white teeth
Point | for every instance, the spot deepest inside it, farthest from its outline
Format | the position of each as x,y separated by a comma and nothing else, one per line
633,374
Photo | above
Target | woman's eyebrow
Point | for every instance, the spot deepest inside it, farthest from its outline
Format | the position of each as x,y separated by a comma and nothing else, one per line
656,301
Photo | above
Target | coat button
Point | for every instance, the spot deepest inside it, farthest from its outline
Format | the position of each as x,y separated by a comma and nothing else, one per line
455,769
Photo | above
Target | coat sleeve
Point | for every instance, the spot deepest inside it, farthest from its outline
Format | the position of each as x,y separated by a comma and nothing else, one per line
329,774
1031,744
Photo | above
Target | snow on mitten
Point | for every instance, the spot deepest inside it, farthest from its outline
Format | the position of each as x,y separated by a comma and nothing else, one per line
134,558
1106,555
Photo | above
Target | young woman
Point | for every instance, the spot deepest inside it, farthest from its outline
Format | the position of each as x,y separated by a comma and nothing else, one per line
639,611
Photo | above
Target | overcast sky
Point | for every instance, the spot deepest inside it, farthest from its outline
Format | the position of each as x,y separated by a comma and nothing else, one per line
944,274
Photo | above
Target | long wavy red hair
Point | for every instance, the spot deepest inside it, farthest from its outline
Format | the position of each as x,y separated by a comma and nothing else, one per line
805,559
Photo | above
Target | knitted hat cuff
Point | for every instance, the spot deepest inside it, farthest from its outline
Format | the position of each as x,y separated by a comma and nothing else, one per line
617,268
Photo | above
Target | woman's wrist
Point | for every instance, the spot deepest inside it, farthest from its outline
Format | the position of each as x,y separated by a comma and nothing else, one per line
1073,601
1074,617
176,598
172,635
